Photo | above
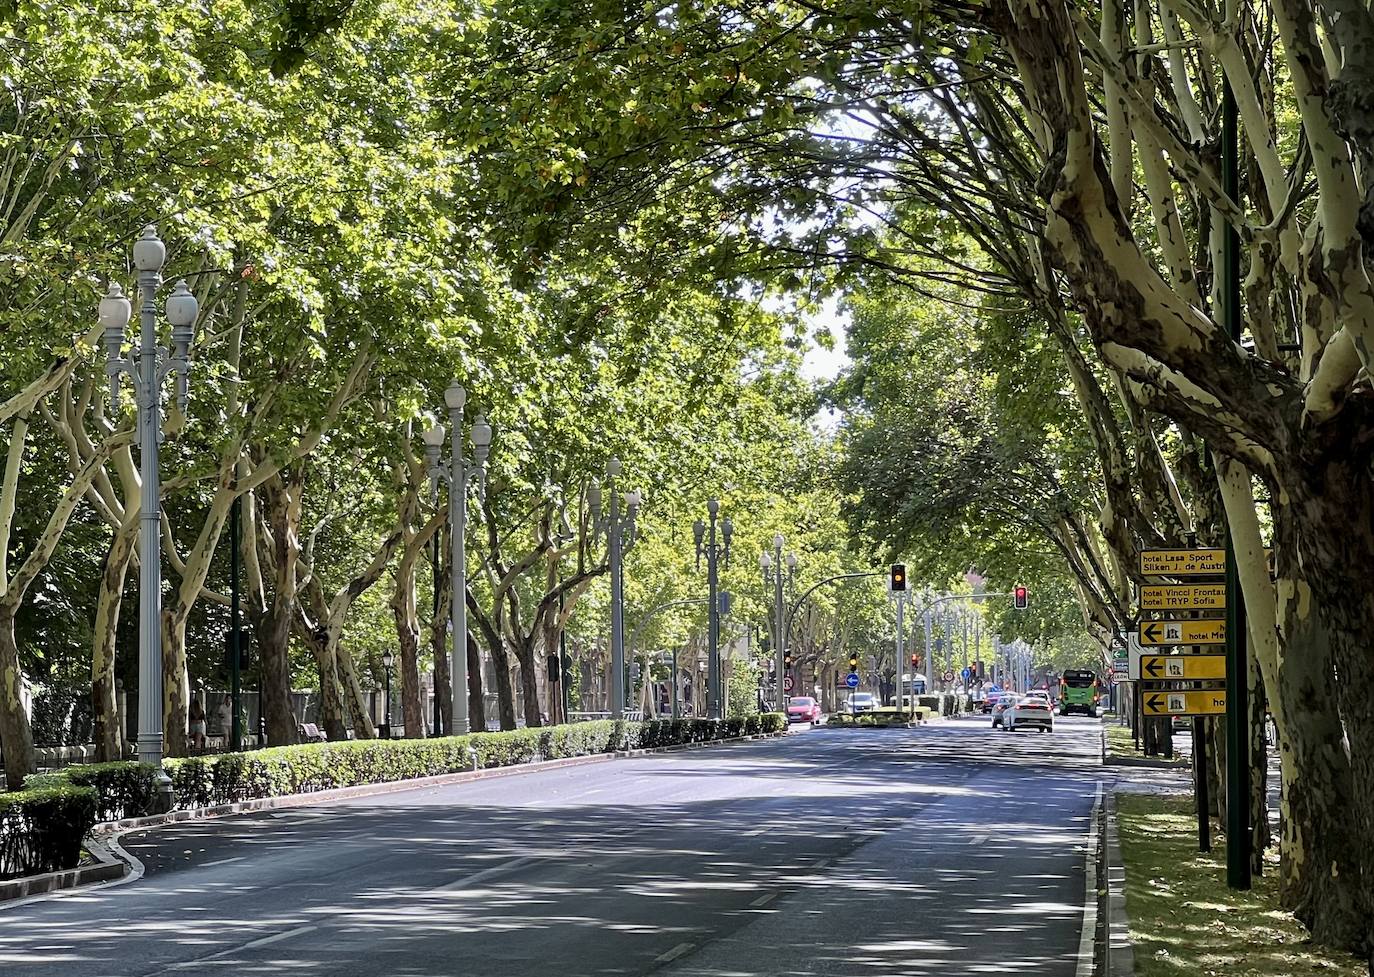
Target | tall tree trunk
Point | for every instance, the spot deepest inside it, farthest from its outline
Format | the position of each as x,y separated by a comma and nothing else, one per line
363,726
505,689
317,639
282,512
438,636
16,735
477,702
407,620
1324,543
529,684
109,726
176,686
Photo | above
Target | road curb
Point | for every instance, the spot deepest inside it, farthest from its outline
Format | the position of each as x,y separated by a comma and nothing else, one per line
108,828
106,869
1090,947
1120,953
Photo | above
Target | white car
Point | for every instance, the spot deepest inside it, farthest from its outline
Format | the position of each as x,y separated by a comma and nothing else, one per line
861,702
1029,712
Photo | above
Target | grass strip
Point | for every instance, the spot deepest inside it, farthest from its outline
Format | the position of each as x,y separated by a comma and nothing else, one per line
1120,745
1185,922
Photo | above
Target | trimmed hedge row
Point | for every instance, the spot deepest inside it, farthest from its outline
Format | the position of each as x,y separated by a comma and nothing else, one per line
41,828
126,790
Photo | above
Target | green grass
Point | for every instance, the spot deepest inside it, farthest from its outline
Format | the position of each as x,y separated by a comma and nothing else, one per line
1185,922
1120,744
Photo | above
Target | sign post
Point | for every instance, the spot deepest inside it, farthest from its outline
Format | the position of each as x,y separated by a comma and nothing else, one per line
1164,678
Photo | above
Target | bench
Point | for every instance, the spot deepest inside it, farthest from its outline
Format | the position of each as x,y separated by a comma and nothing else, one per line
310,733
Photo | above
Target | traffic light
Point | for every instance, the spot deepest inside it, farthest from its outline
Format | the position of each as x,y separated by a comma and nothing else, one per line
853,662
787,660
1020,598
896,578
915,661
553,668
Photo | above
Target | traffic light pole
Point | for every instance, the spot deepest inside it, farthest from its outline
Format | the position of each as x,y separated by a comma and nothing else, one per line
897,674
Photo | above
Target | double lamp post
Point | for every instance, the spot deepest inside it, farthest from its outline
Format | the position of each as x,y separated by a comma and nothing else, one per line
619,526
715,552
772,567
148,364
455,476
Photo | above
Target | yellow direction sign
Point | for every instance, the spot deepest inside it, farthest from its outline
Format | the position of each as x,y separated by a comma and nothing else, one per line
1183,563
1156,633
1182,597
1189,667
1205,703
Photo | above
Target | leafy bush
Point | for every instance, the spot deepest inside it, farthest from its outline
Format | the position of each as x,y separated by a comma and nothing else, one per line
41,829
127,789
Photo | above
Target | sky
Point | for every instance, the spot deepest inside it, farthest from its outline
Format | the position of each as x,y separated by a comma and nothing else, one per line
819,363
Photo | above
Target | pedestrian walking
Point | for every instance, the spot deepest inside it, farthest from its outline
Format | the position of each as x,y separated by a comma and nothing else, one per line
224,718
197,725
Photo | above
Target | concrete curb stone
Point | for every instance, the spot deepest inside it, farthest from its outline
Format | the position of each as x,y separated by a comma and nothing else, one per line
1120,953
105,869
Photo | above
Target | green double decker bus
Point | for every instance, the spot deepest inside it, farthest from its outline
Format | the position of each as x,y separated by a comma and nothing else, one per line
1078,692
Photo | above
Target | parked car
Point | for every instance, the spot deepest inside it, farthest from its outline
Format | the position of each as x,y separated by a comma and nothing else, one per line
803,709
1028,712
861,702
1000,702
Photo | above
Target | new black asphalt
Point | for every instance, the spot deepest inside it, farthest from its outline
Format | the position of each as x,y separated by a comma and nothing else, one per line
951,849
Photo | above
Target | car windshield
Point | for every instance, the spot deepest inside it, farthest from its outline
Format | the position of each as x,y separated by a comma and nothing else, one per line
861,697
802,701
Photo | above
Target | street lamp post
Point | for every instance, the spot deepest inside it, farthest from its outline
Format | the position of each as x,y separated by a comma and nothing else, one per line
713,551
772,565
455,476
619,527
148,364
385,730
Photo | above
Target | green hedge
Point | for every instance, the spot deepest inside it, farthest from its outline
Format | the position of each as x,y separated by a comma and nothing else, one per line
41,828
125,790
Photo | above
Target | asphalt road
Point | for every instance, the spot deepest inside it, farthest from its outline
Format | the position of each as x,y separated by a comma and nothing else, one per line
947,850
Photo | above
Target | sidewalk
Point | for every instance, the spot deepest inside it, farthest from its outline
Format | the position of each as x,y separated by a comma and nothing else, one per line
1169,911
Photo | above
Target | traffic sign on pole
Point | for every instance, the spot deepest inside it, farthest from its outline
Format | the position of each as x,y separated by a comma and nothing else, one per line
1208,632
852,680
1183,597
787,683
1208,702
1183,563
1184,667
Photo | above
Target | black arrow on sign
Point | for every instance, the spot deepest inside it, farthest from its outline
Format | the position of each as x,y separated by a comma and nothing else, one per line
1152,631
1155,703
1153,668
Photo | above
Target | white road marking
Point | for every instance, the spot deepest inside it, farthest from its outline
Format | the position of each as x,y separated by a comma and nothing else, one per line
224,861
485,874
252,944
764,899
674,953
1087,938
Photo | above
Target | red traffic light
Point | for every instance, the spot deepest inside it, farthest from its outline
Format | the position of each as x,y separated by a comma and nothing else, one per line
1020,598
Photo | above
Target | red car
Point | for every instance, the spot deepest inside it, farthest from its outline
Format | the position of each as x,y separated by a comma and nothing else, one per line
803,709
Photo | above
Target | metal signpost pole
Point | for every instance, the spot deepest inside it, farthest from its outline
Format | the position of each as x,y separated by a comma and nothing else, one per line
1238,836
